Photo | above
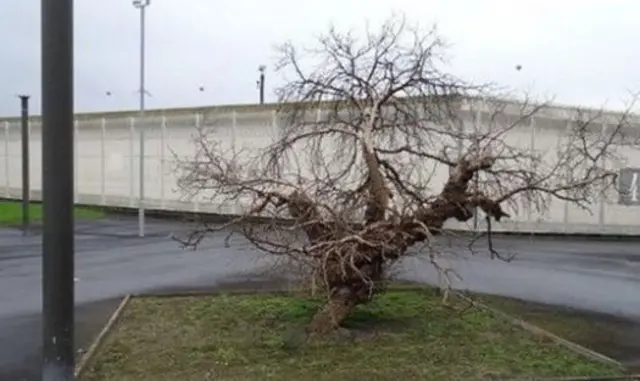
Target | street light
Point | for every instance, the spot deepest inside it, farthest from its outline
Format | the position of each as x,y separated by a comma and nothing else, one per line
260,82
141,5
24,102
58,246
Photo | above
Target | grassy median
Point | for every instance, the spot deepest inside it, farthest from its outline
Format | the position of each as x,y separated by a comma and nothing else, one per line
402,335
612,336
11,213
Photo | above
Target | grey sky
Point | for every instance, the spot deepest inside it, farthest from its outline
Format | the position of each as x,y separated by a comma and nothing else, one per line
582,51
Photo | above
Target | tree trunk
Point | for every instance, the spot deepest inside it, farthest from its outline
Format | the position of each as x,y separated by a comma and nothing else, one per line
333,313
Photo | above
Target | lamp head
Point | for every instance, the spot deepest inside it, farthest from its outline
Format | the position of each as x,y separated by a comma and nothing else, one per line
141,3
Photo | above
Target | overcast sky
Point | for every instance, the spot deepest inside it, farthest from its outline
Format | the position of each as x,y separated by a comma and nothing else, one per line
583,52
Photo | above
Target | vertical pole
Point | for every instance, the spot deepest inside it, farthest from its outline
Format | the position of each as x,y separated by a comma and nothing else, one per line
261,86
103,161
142,94
76,160
196,203
274,126
57,190
565,218
24,106
234,131
236,208
7,167
461,130
132,171
532,152
476,180
163,133
603,196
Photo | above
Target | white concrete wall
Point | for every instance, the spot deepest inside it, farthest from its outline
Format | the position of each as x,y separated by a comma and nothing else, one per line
107,163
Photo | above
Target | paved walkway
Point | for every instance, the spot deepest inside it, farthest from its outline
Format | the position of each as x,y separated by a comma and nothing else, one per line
112,261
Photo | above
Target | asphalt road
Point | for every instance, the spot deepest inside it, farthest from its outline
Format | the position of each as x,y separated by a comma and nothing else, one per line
599,276
112,261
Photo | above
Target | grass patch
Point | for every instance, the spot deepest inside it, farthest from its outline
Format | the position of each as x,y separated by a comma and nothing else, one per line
11,213
401,335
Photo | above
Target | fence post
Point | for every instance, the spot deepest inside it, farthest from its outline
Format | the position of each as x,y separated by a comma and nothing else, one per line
163,131
76,162
477,121
196,197
532,151
103,161
461,131
132,175
7,166
274,125
233,131
603,196
236,209
565,221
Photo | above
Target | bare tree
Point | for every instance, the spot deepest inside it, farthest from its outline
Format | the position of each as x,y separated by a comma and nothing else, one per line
374,155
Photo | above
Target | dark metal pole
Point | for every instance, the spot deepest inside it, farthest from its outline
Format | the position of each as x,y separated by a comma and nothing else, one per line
476,182
262,68
24,105
57,190
141,4
261,88
141,122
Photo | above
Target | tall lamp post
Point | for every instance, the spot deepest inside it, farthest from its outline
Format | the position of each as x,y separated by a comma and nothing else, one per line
57,190
141,5
260,82
24,103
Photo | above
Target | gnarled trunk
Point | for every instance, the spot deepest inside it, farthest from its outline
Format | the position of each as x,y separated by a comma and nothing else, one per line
348,290
332,314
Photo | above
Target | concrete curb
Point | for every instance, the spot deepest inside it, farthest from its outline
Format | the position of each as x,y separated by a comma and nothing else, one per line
535,330
186,294
86,358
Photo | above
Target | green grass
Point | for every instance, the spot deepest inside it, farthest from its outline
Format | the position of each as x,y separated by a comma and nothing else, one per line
401,335
11,213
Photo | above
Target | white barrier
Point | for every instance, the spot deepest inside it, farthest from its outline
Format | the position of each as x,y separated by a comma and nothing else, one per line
107,153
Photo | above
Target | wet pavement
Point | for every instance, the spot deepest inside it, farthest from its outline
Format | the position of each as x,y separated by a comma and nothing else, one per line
112,261
592,275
